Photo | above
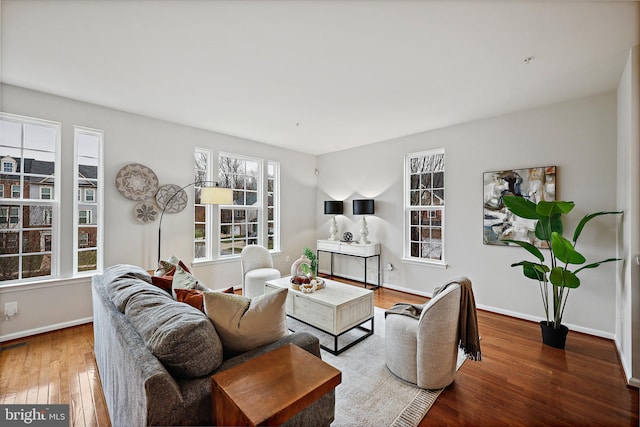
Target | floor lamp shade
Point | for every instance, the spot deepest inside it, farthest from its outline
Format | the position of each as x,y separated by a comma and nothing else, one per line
332,207
363,207
214,195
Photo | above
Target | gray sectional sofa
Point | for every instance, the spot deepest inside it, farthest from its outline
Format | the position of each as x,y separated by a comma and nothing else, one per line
156,355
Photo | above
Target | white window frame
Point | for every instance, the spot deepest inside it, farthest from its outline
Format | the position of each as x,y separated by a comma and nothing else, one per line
208,210
276,205
430,210
96,204
212,226
259,207
21,202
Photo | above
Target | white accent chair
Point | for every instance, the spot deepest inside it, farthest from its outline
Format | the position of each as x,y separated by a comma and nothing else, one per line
257,268
424,351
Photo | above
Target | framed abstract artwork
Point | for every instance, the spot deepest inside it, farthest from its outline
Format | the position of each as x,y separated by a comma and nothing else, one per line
535,184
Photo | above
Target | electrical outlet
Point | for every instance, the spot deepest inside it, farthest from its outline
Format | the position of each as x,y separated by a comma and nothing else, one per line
287,258
10,309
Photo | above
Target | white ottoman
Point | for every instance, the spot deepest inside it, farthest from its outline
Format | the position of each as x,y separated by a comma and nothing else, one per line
254,281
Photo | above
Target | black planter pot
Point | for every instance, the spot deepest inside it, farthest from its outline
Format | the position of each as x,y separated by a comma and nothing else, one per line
553,337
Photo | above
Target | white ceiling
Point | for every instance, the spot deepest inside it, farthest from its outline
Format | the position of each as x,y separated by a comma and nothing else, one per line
317,76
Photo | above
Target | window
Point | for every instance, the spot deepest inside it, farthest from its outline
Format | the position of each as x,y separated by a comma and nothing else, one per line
45,193
240,224
273,216
252,219
88,180
28,225
83,239
202,242
424,206
84,217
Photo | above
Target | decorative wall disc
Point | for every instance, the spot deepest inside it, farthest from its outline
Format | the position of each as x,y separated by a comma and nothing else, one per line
146,212
136,182
175,204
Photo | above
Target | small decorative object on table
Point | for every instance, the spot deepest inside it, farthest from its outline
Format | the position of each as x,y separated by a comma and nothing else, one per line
347,237
304,271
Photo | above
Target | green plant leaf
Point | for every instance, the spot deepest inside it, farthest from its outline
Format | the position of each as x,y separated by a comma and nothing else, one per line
520,206
532,270
596,264
588,218
563,250
562,277
529,247
552,208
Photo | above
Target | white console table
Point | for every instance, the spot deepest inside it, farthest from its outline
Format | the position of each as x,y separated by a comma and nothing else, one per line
355,249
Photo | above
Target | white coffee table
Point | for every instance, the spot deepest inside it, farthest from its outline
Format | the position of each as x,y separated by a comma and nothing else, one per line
335,310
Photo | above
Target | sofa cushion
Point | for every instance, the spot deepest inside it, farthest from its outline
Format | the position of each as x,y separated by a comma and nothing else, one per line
246,323
121,289
195,298
183,279
180,336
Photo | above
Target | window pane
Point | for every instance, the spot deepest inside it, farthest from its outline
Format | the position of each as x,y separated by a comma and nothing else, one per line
200,213
200,232
34,241
10,134
9,268
87,260
9,243
36,265
38,137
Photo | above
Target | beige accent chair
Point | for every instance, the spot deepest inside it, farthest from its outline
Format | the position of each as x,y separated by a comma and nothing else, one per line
257,268
424,351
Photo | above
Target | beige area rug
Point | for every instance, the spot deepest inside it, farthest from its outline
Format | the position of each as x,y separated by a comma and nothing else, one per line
369,394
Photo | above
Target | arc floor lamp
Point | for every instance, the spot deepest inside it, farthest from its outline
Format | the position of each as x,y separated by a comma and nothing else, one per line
209,195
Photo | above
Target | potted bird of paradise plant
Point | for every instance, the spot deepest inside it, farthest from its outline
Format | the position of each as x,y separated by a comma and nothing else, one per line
558,276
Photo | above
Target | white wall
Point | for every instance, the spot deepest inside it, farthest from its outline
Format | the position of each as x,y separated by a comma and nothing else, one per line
578,137
628,286
168,149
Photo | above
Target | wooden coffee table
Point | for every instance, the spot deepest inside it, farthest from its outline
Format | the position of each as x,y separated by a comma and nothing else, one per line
271,388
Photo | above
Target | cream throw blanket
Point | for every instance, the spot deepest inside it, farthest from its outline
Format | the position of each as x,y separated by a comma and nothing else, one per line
469,338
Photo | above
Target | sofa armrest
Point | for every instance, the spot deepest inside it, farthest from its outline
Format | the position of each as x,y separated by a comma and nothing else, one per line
304,340
134,382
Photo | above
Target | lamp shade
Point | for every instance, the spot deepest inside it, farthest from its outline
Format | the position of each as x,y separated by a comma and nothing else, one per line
216,196
333,207
363,207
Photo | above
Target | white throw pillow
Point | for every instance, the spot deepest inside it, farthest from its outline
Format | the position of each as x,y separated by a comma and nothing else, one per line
185,280
247,323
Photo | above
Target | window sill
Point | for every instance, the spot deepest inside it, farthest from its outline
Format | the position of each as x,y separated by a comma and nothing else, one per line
234,258
45,283
434,264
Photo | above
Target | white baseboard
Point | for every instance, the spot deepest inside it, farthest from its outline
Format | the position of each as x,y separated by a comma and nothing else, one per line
44,329
509,313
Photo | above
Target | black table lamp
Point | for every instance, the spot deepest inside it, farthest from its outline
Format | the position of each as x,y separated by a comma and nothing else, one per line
333,207
363,207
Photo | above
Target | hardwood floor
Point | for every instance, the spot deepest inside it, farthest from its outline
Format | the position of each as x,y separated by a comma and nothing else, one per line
518,382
